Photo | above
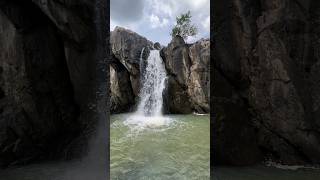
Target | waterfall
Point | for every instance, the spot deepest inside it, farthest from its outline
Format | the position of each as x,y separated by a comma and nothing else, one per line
141,67
153,85
149,109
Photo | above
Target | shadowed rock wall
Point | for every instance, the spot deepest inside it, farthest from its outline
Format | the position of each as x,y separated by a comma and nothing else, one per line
266,60
48,80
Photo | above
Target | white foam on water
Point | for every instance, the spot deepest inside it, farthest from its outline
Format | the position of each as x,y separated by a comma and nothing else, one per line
289,167
199,114
147,121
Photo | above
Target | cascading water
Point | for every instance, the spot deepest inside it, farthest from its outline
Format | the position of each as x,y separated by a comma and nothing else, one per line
153,84
149,110
141,66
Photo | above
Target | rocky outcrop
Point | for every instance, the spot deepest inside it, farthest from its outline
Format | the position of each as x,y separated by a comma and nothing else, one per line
188,76
121,93
126,46
199,78
48,78
187,66
157,46
270,58
177,63
125,67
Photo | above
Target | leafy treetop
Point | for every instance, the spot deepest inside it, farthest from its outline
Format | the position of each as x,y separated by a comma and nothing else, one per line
184,28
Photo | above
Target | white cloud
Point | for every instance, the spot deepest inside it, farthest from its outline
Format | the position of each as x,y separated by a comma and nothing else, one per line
134,26
112,25
198,4
206,24
156,22
126,10
154,19
163,8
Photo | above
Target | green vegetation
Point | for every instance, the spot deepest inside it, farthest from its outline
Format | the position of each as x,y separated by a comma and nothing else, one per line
184,28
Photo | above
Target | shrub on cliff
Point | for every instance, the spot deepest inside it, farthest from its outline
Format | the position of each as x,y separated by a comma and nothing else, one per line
183,27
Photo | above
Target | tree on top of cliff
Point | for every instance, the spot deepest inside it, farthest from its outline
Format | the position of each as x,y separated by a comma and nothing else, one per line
184,28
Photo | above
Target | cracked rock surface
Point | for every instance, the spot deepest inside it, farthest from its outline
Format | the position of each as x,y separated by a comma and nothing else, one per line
266,60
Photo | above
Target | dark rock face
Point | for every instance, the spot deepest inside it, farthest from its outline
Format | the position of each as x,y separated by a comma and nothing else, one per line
199,77
188,76
125,68
177,63
270,58
127,46
157,46
176,99
47,78
122,99
234,139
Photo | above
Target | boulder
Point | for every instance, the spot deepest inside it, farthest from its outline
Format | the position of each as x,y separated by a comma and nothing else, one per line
157,46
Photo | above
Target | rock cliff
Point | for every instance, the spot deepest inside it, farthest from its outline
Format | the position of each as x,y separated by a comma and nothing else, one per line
187,66
266,71
188,76
48,78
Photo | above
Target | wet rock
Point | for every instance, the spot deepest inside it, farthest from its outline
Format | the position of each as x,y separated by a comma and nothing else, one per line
122,99
176,99
177,63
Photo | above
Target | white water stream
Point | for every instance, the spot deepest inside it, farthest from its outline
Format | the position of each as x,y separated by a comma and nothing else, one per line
149,110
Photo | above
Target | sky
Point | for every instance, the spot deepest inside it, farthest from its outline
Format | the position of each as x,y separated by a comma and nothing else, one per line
154,19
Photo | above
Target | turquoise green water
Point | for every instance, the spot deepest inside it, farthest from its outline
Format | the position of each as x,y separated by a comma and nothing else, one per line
177,150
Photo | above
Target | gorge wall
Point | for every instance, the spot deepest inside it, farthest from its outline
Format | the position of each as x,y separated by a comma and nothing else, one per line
187,66
266,81
48,79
